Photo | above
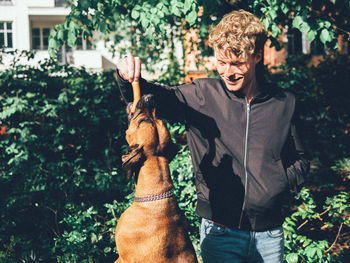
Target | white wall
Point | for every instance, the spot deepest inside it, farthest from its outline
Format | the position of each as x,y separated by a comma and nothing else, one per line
40,3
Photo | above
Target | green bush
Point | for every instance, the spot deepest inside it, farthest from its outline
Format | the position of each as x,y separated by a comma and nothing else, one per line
324,103
182,174
342,167
302,229
60,161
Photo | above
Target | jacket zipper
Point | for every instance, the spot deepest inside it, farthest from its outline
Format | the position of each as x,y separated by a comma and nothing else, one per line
245,163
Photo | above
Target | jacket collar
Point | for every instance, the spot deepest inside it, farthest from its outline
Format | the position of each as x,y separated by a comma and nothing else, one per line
265,92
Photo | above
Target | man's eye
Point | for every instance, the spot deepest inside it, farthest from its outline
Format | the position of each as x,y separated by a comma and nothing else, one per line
238,64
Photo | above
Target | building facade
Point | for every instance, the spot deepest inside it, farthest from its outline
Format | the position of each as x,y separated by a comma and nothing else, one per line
26,25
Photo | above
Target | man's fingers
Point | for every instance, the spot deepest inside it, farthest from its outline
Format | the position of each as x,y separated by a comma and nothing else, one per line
137,69
131,68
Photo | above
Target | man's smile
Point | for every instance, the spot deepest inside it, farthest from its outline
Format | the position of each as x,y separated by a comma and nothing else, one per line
233,80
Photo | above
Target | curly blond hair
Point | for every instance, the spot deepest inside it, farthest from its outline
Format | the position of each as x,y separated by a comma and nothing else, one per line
239,32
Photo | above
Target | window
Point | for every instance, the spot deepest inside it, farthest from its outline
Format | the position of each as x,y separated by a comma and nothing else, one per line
59,3
46,34
83,44
65,55
6,34
40,38
317,47
295,45
5,2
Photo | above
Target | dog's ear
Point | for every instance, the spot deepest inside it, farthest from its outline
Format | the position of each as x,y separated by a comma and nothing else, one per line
128,110
165,146
170,151
133,160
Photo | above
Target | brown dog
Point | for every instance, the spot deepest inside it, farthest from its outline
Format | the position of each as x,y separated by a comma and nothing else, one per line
153,229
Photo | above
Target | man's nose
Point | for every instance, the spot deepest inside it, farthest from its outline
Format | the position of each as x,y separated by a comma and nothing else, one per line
230,70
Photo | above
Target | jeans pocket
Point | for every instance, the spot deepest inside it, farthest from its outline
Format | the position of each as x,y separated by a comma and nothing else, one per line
214,229
275,233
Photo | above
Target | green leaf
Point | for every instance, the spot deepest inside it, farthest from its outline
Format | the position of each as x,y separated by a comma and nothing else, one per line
166,10
324,36
72,25
53,33
107,249
191,17
311,35
30,95
138,7
60,35
297,21
54,44
327,24
275,30
292,258
266,22
187,5
284,8
135,14
155,20
310,252
304,27
273,14
144,21
52,53
72,39
93,238
160,14
175,10
103,27
319,253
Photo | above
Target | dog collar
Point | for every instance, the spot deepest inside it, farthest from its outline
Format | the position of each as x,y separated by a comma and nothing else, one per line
150,198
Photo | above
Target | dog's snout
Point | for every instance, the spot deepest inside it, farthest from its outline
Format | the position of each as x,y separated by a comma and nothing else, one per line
149,99
146,101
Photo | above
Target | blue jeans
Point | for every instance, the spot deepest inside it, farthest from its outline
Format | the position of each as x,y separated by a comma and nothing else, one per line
224,245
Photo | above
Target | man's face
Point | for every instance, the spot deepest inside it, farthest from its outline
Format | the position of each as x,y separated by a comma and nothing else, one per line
238,75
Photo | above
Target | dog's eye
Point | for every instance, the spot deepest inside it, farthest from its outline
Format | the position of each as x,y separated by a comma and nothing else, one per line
133,147
146,119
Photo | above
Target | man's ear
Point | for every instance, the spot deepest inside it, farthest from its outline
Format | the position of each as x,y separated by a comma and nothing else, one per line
258,56
133,160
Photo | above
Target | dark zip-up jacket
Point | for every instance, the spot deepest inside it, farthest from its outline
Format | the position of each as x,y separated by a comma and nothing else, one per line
245,156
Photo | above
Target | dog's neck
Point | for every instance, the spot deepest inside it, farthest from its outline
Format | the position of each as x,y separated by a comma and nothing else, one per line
154,177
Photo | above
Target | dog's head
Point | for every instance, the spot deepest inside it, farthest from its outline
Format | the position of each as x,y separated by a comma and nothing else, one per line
147,136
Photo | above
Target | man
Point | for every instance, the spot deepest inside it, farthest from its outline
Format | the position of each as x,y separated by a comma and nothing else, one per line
243,143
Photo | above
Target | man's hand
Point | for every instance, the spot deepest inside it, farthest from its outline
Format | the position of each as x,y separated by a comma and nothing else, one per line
129,68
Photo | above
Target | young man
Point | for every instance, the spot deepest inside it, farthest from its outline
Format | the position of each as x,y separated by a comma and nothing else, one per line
243,143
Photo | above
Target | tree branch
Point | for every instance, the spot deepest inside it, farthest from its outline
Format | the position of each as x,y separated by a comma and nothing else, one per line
336,239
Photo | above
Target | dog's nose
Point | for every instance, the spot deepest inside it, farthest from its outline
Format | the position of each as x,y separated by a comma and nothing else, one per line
147,101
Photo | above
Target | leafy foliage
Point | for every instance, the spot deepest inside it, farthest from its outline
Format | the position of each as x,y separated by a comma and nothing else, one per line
182,175
343,168
318,19
298,243
60,161
150,27
324,104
